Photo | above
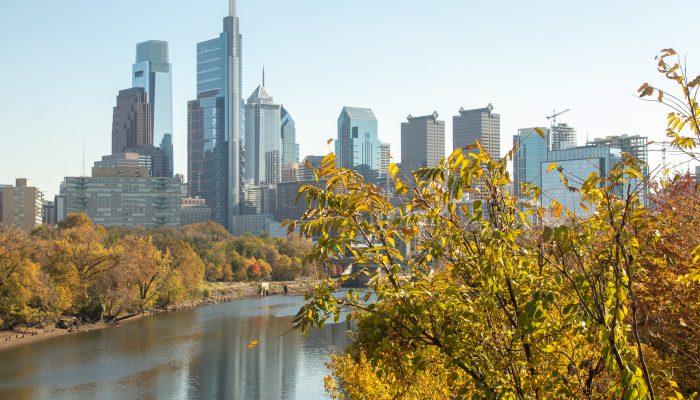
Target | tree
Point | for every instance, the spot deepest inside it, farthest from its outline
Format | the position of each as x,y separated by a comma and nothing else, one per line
510,310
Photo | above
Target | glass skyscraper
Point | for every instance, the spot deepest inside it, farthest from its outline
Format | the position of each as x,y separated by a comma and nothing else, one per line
153,72
290,148
358,146
214,123
531,152
263,144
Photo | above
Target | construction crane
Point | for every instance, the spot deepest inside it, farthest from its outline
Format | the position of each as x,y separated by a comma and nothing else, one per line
554,116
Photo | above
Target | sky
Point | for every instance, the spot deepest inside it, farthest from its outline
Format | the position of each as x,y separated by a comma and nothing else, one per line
63,64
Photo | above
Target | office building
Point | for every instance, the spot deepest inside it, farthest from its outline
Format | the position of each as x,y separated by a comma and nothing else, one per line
481,125
384,159
115,200
193,211
634,145
290,172
22,205
131,120
422,142
358,147
287,205
290,147
149,157
530,152
214,123
562,137
259,199
307,166
153,72
60,206
256,225
48,213
263,144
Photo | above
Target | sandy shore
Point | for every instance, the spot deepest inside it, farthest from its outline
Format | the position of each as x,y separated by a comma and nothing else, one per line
220,293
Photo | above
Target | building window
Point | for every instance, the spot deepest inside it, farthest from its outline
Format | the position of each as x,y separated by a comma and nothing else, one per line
138,74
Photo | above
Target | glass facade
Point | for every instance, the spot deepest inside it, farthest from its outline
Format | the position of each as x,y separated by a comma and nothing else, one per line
358,145
532,152
577,163
290,148
214,124
263,144
153,72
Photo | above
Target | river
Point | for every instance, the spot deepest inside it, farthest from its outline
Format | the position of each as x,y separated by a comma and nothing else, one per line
195,354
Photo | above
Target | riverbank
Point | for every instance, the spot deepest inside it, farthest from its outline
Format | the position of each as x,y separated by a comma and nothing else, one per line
216,292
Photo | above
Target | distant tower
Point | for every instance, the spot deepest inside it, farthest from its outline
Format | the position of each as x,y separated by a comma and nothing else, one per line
562,137
422,141
132,120
153,72
214,128
358,145
262,137
385,159
481,124
290,148
531,153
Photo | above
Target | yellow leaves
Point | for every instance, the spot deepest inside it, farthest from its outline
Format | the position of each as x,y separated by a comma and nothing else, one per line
540,132
393,170
252,344
551,167
557,209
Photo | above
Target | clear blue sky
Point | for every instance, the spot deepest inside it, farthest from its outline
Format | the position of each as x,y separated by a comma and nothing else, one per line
63,63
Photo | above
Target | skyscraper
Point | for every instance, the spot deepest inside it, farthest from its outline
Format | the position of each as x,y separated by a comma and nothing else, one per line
153,72
21,205
214,123
290,148
263,144
384,159
562,137
358,146
131,122
422,141
480,124
531,152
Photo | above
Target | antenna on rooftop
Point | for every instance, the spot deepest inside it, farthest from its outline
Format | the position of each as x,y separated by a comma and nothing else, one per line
263,76
83,158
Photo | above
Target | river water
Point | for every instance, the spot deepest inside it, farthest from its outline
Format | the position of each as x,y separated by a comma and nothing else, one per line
196,354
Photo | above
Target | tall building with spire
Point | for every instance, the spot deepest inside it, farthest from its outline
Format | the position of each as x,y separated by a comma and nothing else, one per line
152,71
214,128
263,144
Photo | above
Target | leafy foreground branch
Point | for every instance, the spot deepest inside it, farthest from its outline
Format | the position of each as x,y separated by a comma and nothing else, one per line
488,305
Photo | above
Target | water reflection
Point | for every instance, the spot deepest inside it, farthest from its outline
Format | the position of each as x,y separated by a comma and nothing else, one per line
186,355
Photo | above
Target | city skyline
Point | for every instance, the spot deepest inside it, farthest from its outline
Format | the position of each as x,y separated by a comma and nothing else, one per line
562,71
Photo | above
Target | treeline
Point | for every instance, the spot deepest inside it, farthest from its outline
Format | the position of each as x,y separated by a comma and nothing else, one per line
94,273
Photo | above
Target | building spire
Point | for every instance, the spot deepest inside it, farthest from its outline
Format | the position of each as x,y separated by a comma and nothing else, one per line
232,8
263,76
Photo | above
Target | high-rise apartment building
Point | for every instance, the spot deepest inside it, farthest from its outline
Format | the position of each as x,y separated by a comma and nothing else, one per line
481,125
263,144
22,205
48,213
132,120
530,152
635,145
422,142
290,147
358,145
153,72
115,199
214,123
562,137
384,159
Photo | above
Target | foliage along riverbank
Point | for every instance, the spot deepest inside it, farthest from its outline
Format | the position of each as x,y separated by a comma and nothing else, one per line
223,292
92,273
